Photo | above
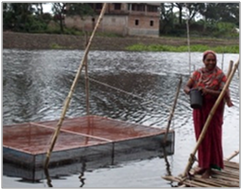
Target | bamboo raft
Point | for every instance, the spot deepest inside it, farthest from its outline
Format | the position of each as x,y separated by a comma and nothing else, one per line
228,177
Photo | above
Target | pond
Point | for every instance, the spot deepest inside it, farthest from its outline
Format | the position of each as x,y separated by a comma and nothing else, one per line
137,87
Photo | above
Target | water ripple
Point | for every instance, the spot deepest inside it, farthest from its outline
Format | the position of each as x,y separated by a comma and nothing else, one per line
36,83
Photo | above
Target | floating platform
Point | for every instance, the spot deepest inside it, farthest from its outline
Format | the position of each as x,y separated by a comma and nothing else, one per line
228,177
95,140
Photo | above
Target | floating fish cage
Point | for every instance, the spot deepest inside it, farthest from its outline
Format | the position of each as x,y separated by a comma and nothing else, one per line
94,140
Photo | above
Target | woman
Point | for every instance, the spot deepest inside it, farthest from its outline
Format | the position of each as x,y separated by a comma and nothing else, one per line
210,80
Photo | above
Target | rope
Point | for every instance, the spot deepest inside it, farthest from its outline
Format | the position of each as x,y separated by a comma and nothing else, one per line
129,93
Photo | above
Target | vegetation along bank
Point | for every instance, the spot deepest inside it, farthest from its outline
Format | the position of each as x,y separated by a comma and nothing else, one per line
29,41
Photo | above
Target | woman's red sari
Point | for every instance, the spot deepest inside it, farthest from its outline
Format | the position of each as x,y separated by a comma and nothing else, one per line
210,151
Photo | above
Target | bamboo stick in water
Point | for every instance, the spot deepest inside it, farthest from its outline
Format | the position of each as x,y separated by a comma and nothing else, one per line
233,155
172,110
67,101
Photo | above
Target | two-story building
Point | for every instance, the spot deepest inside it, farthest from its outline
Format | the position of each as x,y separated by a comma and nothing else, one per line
139,19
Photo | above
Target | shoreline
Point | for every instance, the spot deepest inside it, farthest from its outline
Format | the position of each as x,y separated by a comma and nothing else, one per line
29,41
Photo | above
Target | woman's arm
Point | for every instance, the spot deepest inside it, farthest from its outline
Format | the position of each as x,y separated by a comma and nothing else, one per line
188,86
204,90
209,91
216,93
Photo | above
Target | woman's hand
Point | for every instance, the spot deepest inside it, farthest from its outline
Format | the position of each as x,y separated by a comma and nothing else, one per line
188,86
187,90
203,90
229,102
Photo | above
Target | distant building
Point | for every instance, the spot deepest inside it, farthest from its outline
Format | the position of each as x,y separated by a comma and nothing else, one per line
140,19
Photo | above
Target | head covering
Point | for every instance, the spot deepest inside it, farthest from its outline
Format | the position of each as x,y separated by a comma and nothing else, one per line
209,52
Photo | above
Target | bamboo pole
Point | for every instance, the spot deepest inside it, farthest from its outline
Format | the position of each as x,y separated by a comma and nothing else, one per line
167,162
67,101
188,38
222,63
228,73
205,127
173,109
230,68
86,78
48,178
168,126
87,86
233,155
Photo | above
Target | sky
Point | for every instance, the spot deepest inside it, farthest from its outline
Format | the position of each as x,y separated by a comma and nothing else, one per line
47,7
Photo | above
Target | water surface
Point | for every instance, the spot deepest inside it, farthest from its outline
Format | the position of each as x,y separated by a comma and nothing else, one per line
137,87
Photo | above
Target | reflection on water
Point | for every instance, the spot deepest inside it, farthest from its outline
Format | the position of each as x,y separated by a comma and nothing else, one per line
36,83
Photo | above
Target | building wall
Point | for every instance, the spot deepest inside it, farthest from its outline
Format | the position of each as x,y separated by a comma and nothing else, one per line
112,24
76,22
126,21
115,24
143,25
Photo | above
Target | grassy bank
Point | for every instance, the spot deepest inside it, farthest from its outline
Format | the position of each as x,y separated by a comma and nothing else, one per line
30,41
193,48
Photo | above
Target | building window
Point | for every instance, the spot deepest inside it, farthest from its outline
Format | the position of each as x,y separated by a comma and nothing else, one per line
117,6
136,22
151,23
98,6
138,7
151,8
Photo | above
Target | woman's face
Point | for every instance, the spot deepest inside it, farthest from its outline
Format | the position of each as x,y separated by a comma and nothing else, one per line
210,61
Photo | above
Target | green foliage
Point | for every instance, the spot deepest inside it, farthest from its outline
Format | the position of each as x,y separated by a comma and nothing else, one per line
56,46
81,9
35,25
193,48
223,29
72,31
217,19
227,49
22,17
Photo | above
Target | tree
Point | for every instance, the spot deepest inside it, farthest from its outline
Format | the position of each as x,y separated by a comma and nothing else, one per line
80,9
225,12
180,7
217,15
17,15
40,15
229,12
59,10
166,17
24,17
193,10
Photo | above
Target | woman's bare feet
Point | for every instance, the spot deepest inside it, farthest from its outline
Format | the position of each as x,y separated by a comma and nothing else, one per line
207,173
199,170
